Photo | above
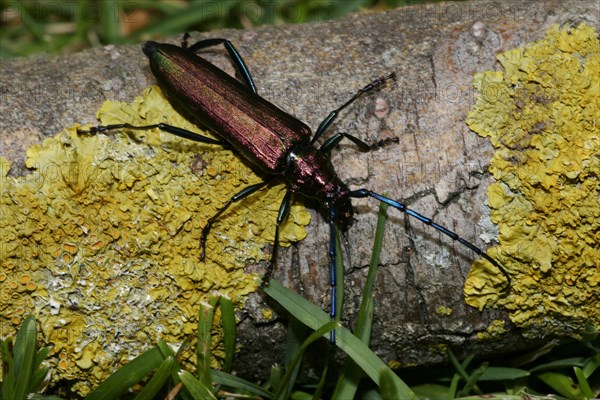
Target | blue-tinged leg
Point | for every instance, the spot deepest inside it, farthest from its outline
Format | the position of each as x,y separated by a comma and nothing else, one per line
332,280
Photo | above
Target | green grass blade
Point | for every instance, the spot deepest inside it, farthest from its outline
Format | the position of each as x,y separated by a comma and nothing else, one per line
29,22
287,383
345,7
473,378
350,377
36,396
276,375
82,20
24,353
372,365
165,349
166,7
507,397
563,384
388,390
453,388
318,393
233,381
503,374
583,383
110,18
591,365
180,21
8,369
363,314
152,388
557,364
229,330
195,387
458,366
41,356
39,379
296,334
306,312
313,317
432,391
461,372
128,375
203,347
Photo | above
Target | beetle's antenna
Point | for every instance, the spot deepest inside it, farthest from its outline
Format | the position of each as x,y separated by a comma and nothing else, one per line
333,115
361,193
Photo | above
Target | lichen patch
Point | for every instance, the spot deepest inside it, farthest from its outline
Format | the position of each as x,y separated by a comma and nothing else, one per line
542,115
101,240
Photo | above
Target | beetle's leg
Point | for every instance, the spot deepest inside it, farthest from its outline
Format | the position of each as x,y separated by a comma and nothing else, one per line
237,59
184,133
362,146
236,197
361,193
332,279
333,115
284,210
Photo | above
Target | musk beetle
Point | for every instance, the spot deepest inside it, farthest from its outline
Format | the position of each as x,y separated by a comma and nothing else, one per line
278,145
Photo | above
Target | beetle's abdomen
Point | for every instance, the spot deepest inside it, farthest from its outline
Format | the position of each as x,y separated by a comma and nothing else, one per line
258,130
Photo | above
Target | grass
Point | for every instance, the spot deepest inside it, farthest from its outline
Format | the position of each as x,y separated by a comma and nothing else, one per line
41,26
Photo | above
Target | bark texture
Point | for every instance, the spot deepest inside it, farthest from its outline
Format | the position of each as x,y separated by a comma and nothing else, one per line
438,167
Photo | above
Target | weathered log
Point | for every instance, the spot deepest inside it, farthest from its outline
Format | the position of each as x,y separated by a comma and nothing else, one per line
438,167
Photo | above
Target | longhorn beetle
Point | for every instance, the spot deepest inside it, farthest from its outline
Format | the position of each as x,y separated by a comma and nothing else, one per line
274,142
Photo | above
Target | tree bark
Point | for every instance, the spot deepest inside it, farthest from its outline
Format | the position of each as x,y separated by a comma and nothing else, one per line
438,167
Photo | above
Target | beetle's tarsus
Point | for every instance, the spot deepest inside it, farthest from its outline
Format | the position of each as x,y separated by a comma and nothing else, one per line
384,143
266,278
92,131
202,243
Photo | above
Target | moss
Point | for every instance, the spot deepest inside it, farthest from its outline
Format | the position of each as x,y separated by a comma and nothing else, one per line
541,115
101,240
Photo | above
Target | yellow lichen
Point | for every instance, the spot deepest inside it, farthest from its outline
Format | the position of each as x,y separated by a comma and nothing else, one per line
542,115
438,349
443,310
267,313
495,330
101,241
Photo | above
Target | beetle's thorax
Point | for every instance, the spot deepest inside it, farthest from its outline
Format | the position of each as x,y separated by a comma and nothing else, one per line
310,172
